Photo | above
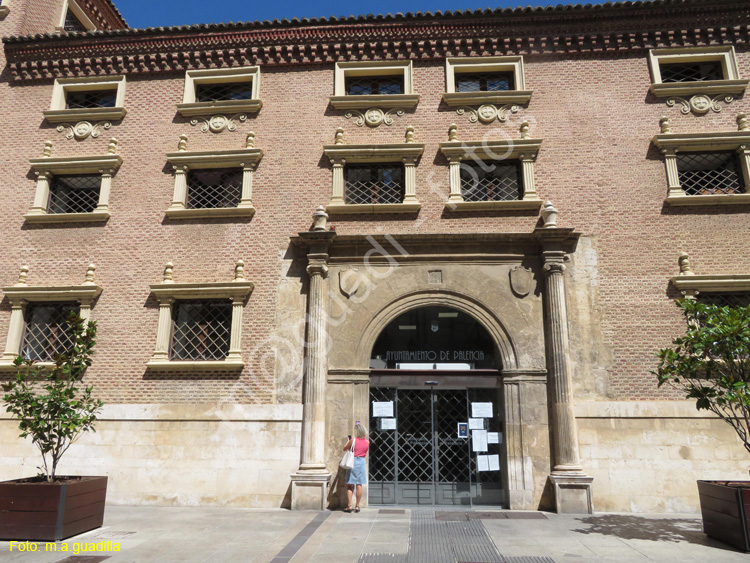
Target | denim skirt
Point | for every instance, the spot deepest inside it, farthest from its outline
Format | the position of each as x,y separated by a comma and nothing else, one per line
358,474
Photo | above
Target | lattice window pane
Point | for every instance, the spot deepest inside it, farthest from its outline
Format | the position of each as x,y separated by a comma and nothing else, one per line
214,187
491,181
72,23
382,442
484,82
738,299
691,72
47,334
74,194
453,452
368,85
415,437
383,183
710,173
224,91
201,330
91,99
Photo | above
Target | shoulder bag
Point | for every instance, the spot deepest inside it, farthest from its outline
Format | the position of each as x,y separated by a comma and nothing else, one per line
347,462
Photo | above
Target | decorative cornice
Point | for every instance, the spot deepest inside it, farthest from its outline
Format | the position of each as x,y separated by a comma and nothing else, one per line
618,27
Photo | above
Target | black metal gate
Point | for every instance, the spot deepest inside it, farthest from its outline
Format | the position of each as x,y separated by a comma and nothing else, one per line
423,460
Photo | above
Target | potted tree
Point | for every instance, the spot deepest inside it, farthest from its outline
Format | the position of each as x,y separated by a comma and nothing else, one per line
53,411
711,364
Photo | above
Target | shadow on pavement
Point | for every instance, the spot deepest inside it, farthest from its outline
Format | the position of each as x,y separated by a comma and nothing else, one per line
654,529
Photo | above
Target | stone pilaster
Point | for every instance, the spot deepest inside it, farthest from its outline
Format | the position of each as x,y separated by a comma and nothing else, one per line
572,486
311,481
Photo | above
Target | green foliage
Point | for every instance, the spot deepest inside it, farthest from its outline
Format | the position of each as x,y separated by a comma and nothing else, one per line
47,402
711,363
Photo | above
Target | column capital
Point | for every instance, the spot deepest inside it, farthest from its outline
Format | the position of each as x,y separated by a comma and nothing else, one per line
317,266
551,268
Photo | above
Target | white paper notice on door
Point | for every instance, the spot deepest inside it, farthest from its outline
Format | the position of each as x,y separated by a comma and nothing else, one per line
493,437
387,423
483,463
479,440
494,461
476,424
481,410
384,408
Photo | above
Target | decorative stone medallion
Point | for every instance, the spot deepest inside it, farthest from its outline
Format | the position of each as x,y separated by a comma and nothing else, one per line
83,129
218,123
521,281
487,113
373,117
700,103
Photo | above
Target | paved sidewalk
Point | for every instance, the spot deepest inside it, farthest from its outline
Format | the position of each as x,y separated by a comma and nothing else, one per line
379,535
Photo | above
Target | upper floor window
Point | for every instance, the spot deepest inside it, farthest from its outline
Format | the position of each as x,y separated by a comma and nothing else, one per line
706,168
73,18
72,23
485,80
214,188
374,183
47,333
695,71
216,91
201,330
491,181
373,85
96,98
74,194
725,299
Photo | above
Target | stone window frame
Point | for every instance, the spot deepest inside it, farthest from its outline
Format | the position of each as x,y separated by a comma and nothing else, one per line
341,154
183,160
732,84
78,13
21,294
192,108
689,285
459,65
671,143
524,150
47,167
167,292
58,113
340,100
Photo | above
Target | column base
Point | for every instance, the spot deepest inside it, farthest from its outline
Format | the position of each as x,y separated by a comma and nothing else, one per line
572,493
310,490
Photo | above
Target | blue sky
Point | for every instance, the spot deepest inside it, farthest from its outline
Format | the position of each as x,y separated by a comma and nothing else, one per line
154,13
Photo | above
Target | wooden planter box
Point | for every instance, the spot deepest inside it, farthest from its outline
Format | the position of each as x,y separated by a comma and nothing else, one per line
725,507
35,510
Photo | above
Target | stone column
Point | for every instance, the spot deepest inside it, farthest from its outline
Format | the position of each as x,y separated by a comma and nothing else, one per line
311,481
572,486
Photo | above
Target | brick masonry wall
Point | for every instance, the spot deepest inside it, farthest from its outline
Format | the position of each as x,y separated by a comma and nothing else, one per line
596,164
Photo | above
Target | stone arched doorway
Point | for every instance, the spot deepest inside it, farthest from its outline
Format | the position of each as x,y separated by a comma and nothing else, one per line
436,416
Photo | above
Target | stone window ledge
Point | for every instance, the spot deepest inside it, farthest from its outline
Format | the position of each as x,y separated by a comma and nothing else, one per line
712,283
92,217
11,367
197,366
194,109
382,101
713,199
455,99
76,164
374,208
84,114
708,87
242,210
493,205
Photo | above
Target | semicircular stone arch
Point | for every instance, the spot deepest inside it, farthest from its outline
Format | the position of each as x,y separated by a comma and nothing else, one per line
477,310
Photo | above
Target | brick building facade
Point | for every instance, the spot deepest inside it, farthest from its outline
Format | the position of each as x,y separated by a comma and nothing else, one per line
575,311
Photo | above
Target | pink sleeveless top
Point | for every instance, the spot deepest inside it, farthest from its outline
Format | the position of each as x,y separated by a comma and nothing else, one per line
360,447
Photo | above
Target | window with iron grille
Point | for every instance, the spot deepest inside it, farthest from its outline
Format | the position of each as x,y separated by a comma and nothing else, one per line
212,188
382,183
730,299
201,330
47,333
72,23
484,82
91,99
710,173
691,71
223,91
491,181
371,85
74,194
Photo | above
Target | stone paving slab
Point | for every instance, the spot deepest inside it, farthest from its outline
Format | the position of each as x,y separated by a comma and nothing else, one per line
390,535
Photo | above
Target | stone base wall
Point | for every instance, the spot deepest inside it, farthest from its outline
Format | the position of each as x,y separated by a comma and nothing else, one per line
647,457
178,455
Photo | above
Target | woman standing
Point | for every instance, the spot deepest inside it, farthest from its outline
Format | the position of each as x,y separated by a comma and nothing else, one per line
357,476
